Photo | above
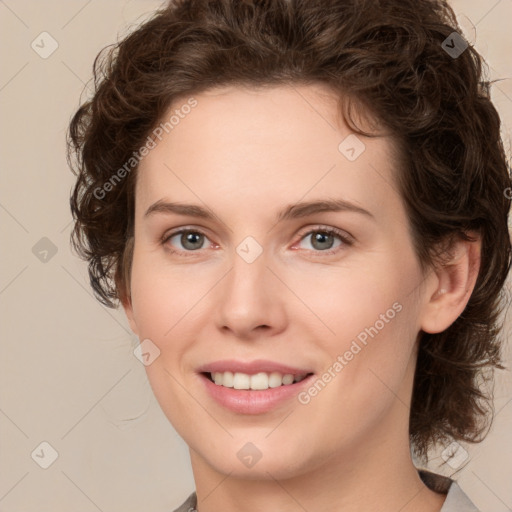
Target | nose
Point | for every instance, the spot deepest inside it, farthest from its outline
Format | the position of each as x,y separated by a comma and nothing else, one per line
251,299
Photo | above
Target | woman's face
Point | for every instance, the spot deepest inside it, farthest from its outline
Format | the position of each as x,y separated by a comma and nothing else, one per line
296,264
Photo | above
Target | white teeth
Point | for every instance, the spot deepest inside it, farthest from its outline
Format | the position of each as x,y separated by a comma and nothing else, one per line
241,381
258,381
227,379
275,380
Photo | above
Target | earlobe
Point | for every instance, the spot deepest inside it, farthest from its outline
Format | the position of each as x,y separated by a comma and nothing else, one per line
456,281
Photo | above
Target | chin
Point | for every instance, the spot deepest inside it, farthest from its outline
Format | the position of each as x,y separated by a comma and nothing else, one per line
256,461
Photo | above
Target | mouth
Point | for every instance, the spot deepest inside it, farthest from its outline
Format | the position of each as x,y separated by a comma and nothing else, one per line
255,387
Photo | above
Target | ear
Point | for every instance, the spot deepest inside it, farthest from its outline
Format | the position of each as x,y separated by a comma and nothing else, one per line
456,279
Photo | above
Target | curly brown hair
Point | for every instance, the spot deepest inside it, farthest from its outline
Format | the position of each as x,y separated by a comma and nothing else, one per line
392,57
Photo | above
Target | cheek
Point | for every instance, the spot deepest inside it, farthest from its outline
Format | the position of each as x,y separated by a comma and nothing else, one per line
163,302
164,299
365,322
363,299
366,371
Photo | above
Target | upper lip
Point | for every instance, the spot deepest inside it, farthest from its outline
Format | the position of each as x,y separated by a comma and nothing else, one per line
251,367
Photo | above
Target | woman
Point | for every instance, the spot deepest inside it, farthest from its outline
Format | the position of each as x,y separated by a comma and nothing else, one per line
302,208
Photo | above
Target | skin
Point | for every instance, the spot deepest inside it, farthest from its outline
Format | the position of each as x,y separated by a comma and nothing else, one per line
245,154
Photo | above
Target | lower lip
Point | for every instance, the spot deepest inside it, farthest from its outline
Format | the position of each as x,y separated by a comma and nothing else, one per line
251,401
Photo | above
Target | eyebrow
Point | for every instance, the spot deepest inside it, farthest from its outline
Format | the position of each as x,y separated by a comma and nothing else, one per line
293,211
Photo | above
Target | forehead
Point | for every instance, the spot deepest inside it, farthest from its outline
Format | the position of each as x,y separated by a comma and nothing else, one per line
254,146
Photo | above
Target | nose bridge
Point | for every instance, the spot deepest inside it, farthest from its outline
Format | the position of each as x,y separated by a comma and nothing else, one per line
248,278
250,298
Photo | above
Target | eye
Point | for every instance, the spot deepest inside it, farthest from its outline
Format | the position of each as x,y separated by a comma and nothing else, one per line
190,240
323,240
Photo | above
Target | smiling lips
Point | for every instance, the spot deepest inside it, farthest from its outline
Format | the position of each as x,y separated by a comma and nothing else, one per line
252,388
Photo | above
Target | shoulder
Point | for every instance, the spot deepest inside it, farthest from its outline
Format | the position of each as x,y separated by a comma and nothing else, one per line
189,505
456,498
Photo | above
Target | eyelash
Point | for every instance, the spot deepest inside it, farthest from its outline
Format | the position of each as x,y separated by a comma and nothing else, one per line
346,240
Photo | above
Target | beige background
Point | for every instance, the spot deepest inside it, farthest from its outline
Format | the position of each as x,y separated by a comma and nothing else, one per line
68,375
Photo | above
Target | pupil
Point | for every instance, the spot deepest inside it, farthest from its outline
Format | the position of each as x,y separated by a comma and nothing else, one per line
191,238
321,238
